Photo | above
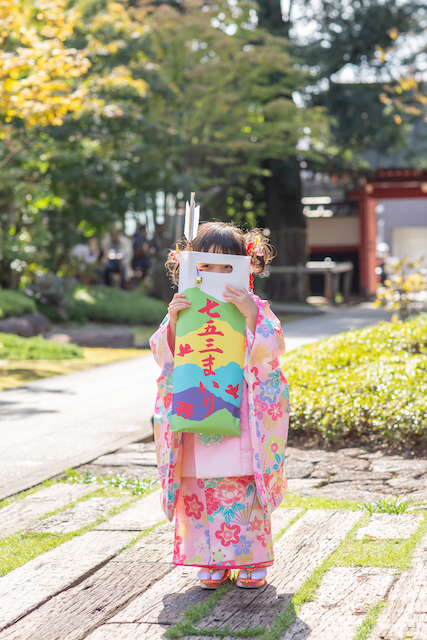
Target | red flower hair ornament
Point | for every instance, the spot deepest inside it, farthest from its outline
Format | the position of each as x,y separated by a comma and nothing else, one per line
254,249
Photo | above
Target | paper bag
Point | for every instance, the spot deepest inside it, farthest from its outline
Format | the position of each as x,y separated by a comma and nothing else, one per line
209,348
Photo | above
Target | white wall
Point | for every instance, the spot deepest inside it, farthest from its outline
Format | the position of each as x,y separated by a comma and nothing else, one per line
335,231
410,242
405,226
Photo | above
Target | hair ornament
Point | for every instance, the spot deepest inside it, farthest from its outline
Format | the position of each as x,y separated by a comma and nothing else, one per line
174,255
254,249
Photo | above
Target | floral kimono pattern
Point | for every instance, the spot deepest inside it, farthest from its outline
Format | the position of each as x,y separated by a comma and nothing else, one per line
221,523
268,396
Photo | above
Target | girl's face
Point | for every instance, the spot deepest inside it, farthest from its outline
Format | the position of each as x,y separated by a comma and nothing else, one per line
214,268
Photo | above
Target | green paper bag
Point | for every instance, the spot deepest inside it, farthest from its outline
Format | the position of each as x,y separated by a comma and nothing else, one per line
209,348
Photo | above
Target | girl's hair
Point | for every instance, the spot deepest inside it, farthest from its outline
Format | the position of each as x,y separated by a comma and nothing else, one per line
225,237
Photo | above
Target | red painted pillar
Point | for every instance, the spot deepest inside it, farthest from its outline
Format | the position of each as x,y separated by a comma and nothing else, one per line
368,240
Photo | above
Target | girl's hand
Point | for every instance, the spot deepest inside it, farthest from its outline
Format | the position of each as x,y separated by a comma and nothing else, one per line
178,303
243,301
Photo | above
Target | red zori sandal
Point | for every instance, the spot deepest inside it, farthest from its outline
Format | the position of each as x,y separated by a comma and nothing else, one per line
211,583
251,579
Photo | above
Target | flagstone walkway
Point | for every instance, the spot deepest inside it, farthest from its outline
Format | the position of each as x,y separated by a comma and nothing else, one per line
339,574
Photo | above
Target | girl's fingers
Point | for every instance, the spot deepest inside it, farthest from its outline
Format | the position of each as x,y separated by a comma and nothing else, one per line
178,307
178,304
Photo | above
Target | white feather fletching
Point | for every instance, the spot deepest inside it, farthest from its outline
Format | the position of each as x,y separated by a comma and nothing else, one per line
192,216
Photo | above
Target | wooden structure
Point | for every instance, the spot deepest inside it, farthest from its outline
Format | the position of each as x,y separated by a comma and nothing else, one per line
332,276
347,230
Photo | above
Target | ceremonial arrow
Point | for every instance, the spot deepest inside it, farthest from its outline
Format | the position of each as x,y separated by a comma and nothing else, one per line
191,224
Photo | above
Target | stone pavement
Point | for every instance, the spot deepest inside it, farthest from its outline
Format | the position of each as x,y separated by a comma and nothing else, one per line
339,572
348,474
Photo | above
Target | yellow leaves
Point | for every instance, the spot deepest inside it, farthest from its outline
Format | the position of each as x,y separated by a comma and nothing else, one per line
380,54
121,78
402,287
33,77
393,33
39,73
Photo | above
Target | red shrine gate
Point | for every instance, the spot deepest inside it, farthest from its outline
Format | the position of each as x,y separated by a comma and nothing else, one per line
348,230
388,184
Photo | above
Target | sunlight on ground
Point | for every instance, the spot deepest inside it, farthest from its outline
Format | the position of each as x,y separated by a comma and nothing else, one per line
14,373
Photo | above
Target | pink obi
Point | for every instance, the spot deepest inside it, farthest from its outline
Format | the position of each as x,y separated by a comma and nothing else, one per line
232,457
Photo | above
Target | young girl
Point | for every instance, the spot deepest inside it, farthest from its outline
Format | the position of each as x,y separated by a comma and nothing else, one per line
223,518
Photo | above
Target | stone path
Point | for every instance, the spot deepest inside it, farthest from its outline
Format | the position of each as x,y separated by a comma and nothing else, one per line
349,474
337,571
49,425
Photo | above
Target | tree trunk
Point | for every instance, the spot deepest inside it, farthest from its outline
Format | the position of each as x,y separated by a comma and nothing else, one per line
287,226
283,190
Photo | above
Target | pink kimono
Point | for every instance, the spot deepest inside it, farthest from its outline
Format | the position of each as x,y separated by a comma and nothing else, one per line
223,494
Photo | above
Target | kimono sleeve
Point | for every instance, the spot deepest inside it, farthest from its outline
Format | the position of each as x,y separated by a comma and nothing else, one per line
168,444
159,344
268,333
268,407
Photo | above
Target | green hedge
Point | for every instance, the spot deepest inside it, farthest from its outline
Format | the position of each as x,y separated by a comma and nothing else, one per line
15,348
108,304
370,383
15,303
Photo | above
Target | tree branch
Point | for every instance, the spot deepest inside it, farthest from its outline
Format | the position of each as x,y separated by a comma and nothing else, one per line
11,155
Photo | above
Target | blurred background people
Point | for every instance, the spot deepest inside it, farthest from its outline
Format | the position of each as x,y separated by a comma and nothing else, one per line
117,254
141,260
85,256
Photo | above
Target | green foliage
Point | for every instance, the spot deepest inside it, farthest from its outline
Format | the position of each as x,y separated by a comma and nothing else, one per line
402,288
15,303
342,52
50,292
295,501
114,305
120,481
365,629
193,614
382,505
135,485
370,383
15,348
219,101
21,547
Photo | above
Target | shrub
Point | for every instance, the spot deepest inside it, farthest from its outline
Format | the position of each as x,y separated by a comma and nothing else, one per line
50,292
404,290
15,348
15,303
114,305
367,383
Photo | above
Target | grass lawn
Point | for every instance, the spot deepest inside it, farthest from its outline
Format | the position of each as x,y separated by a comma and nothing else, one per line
15,373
